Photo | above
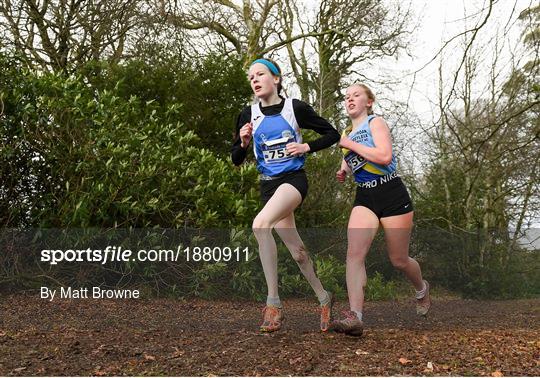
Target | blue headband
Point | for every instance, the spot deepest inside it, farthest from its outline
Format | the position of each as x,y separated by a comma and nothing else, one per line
271,66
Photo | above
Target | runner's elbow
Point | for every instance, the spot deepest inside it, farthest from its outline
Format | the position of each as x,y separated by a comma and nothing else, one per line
386,158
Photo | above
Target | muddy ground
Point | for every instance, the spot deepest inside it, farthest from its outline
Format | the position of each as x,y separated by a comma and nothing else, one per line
195,337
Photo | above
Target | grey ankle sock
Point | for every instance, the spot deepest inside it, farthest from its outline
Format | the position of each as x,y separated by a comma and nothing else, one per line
358,314
276,302
325,300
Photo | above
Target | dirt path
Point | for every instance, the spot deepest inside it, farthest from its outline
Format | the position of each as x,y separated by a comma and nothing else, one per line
168,337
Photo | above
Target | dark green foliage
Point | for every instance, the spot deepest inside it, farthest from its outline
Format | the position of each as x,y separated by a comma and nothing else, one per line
451,260
79,155
208,93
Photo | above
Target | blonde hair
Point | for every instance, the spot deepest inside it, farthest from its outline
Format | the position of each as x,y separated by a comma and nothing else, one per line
369,94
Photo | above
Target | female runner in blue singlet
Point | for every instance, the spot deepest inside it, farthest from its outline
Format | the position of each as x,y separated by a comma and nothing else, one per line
274,125
381,198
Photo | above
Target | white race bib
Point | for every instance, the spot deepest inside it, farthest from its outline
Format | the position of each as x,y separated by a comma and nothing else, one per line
355,161
275,151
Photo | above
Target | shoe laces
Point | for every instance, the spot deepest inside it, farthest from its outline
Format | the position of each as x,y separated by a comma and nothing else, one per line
325,311
270,312
349,315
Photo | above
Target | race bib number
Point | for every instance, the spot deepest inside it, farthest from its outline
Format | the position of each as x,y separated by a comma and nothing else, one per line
355,161
275,151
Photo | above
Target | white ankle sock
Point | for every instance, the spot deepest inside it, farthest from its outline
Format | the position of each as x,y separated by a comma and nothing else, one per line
325,300
358,314
276,302
422,293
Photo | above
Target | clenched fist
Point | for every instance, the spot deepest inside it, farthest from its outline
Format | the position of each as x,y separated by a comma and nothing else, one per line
297,149
246,133
341,175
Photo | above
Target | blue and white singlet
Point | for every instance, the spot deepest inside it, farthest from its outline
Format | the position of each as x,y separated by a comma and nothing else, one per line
270,135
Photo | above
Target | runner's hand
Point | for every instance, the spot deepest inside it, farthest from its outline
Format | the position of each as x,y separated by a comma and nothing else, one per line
297,149
341,175
245,134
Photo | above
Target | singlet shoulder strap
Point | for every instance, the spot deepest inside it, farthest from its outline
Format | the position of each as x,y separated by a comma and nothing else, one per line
288,113
256,112
288,104
349,128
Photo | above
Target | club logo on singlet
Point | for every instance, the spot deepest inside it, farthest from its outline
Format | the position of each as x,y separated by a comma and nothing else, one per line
275,151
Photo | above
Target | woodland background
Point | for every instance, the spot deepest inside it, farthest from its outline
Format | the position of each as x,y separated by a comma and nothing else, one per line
119,115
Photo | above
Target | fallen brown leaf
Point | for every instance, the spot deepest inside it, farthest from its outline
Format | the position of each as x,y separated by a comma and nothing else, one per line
98,372
404,361
293,361
177,353
149,357
497,373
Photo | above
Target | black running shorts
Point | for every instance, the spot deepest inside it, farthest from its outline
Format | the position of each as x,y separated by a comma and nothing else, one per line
298,179
385,199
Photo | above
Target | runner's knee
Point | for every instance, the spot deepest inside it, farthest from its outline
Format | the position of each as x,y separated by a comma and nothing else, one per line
399,262
261,225
357,253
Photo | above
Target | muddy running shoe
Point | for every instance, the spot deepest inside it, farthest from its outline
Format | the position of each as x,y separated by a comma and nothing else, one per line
350,325
272,318
423,304
326,313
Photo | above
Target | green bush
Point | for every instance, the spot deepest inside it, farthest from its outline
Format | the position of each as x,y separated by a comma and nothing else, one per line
377,289
207,93
77,156
332,275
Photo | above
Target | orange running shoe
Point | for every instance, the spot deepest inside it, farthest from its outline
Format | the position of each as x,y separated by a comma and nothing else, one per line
272,318
326,313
